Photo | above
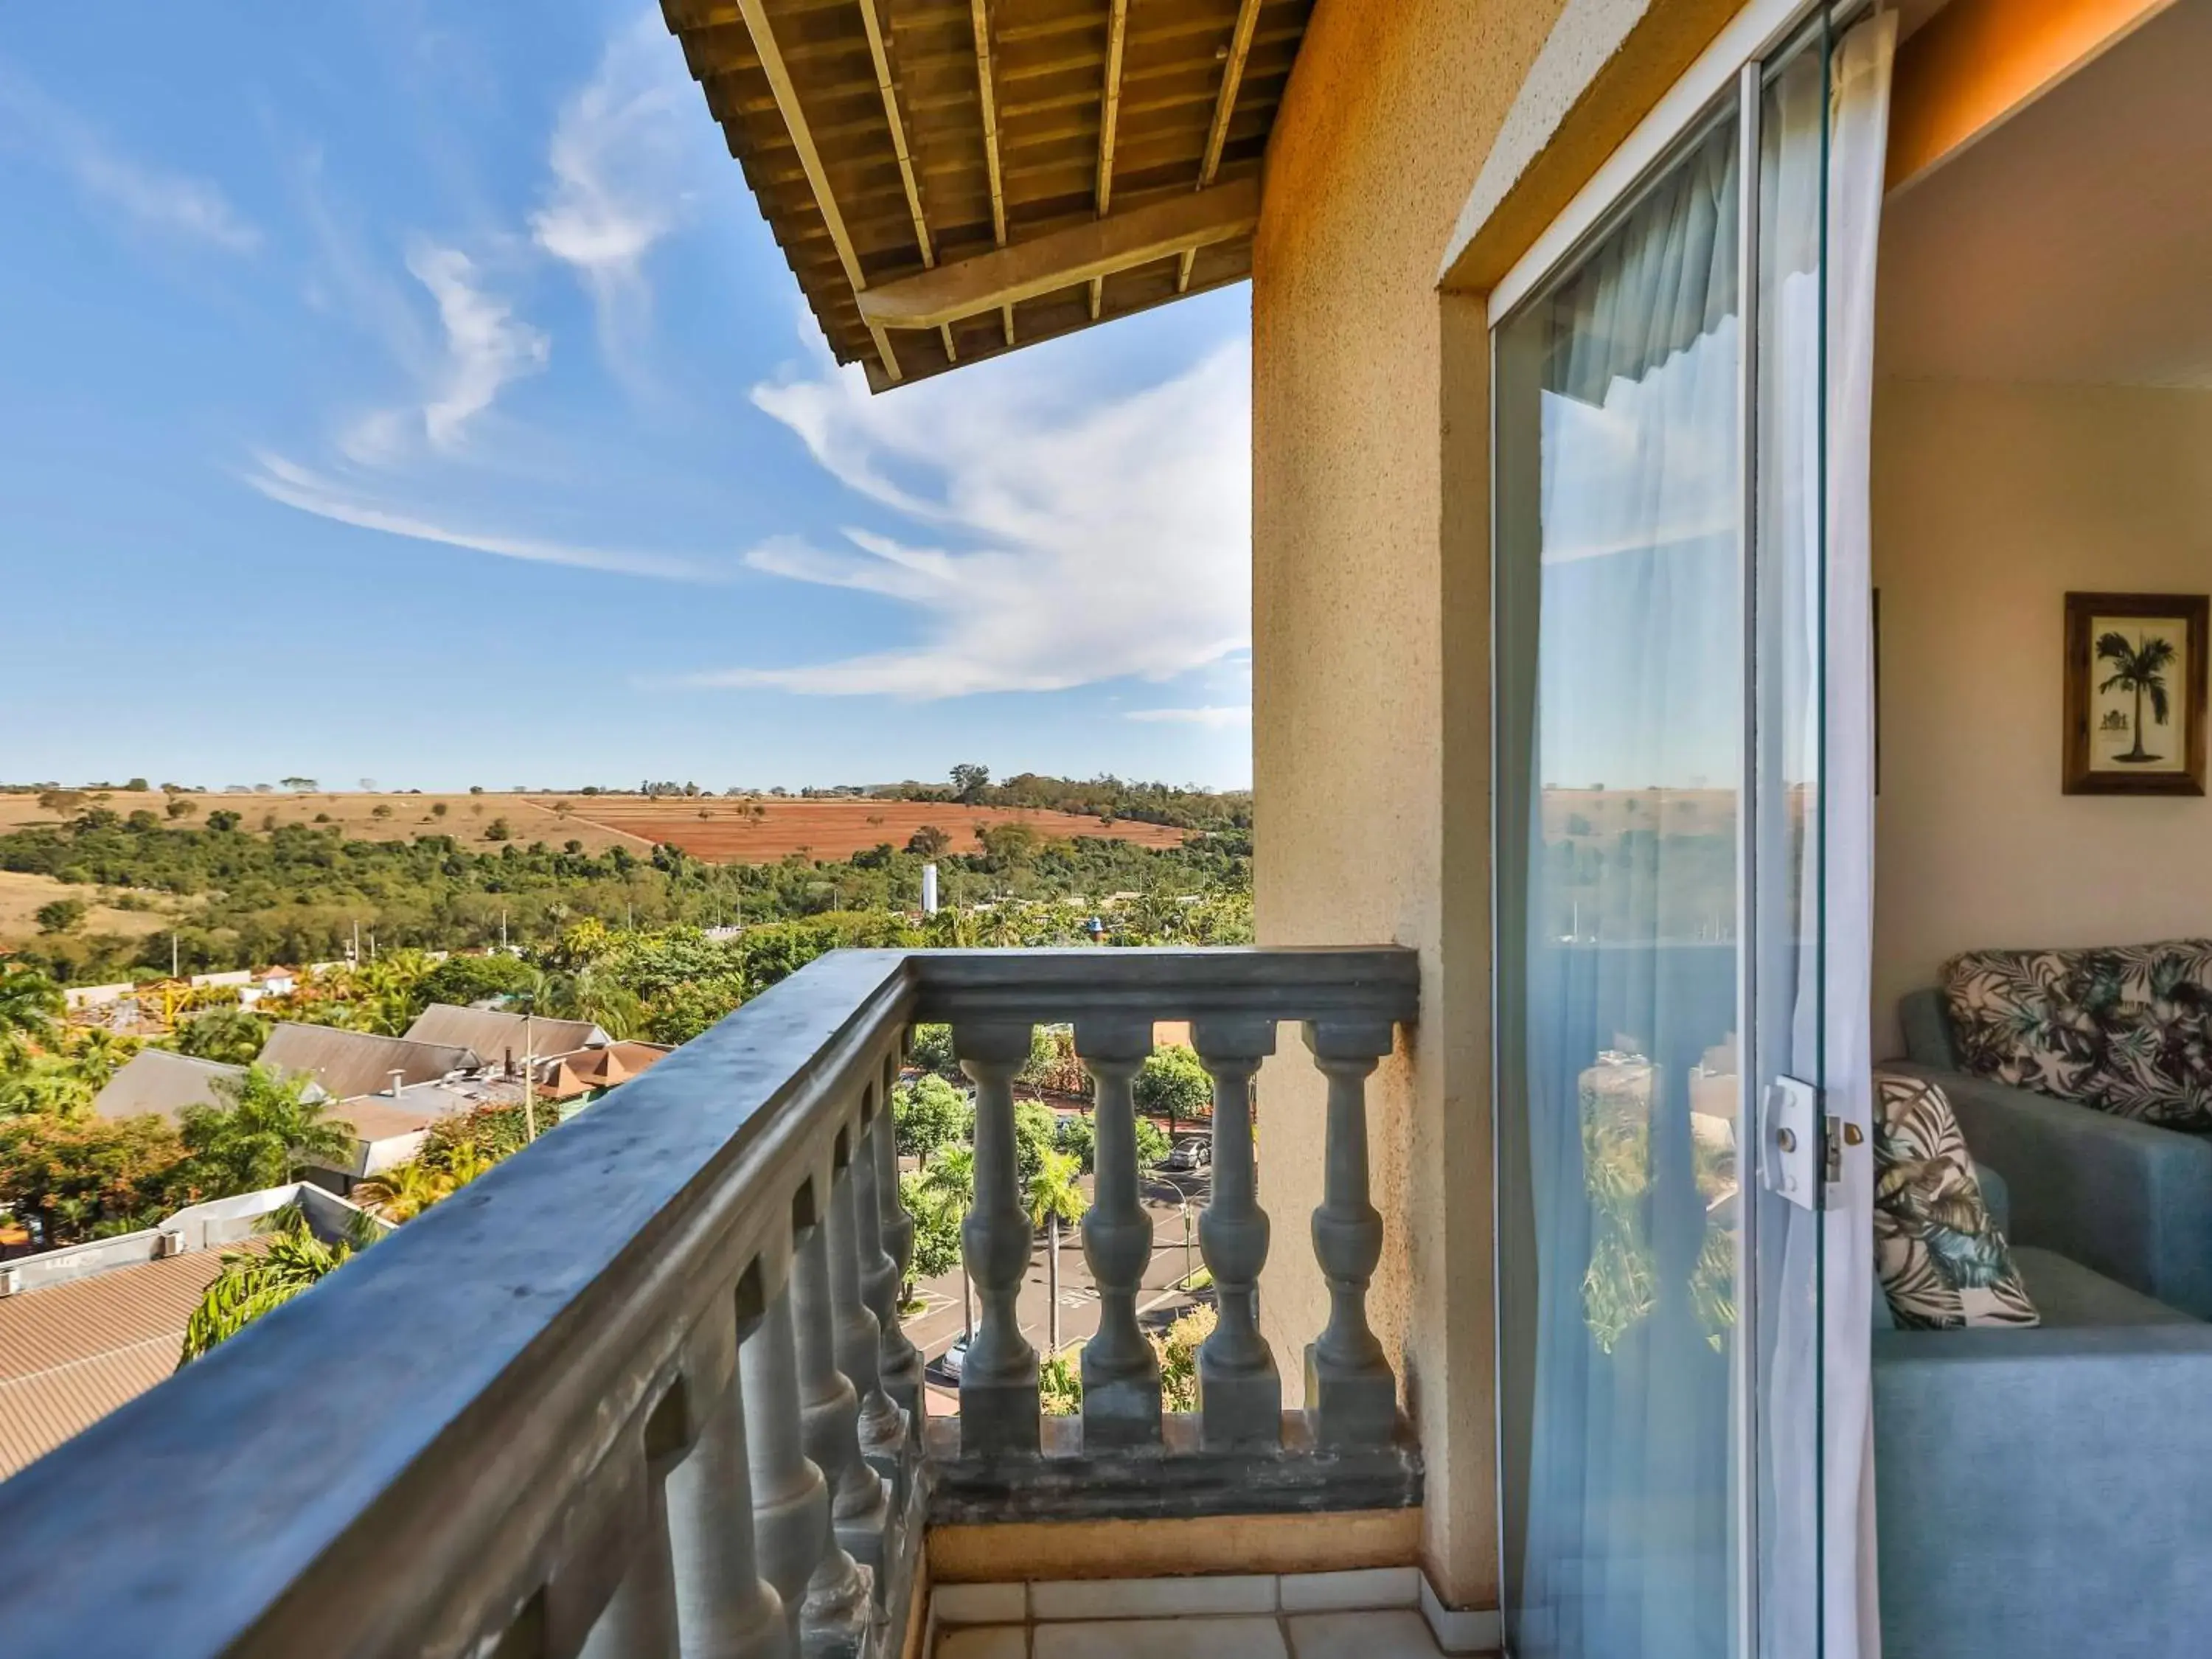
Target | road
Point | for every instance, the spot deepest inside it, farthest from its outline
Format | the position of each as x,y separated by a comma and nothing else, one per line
933,1329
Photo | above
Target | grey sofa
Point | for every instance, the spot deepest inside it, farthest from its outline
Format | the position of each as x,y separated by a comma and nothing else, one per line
2047,1493
2129,1199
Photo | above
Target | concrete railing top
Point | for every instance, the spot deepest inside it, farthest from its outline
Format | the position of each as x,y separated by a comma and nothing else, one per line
396,1463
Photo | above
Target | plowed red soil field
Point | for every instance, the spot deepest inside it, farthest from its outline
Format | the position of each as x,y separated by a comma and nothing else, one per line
765,828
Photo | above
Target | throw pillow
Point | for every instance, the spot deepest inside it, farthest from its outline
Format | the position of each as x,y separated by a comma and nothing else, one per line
2124,1028
1942,1261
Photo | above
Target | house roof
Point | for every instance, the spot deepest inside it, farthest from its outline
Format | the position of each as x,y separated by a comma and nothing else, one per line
494,1033
375,1120
579,1073
157,1081
350,1063
950,179
71,1353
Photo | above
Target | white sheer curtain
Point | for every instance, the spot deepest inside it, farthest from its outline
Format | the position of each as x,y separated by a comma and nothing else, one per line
1816,811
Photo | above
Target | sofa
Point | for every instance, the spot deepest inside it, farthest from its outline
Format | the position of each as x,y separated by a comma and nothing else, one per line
2128,1199
2046,1494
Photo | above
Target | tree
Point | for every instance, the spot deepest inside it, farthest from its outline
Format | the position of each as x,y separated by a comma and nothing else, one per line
254,1282
949,1187
439,809
937,1220
927,842
929,1115
89,1177
1173,1085
222,820
1078,1139
381,810
262,1133
30,1004
179,807
61,915
1035,1129
403,1191
462,979
301,785
1054,1194
1151,1144
969,781
230,1035
499,829
2139,665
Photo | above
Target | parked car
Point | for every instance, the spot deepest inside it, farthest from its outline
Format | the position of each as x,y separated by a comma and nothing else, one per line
1190,1155
950,1364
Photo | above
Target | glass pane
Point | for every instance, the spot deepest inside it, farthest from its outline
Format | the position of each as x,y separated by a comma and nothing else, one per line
1621,709
1787,819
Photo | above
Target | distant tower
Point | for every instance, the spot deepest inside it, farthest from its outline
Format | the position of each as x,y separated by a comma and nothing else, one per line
929,889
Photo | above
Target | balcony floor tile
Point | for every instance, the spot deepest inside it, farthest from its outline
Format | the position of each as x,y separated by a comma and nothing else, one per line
1399,1633
1161,1639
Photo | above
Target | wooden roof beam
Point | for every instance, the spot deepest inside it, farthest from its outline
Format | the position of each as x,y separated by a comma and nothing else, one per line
1110,114
979,18
794,120
1005,276
1224,106
881,58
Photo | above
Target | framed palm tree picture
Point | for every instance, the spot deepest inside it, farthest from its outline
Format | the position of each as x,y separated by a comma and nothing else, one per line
2135,694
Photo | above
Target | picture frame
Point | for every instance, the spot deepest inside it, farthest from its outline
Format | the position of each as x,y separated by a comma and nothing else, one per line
2135,683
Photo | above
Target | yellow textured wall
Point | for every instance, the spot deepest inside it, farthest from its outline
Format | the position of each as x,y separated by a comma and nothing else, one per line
1370,738
1989,504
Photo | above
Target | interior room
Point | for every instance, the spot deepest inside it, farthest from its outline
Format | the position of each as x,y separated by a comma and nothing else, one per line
2042,429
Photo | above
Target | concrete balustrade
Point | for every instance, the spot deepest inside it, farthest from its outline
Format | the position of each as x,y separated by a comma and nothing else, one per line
584,1449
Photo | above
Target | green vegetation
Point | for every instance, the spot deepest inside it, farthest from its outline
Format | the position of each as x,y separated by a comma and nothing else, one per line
255,1282
298,893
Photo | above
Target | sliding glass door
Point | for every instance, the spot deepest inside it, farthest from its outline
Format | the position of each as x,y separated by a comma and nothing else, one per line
1670,1178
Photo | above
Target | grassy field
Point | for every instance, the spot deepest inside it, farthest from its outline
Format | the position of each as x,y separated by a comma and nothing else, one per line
725,830
761,830
21,896
360,816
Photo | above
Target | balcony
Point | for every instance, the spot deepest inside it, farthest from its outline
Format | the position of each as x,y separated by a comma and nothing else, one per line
643,1390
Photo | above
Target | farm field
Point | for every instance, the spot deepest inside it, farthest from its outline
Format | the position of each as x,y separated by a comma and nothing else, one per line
22,894
761,830
355,813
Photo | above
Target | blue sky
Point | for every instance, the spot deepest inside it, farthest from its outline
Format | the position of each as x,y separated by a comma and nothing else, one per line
409,389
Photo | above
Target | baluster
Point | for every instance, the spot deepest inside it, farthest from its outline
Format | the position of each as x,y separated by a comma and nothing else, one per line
882,1428
1350,1389
1240,1396
641,1619
791,1500
829,1415
998,1383
896,1362
1121,1374
724,1608
901,1361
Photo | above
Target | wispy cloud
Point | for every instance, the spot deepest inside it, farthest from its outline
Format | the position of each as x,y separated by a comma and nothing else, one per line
618,160
1212,714
487,344
150,197
1098,538
325,497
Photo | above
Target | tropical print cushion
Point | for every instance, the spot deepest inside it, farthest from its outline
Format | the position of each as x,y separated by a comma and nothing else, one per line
1941,1261
2124,1028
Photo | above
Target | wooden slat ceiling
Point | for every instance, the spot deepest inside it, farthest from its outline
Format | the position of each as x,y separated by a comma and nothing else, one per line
1038,159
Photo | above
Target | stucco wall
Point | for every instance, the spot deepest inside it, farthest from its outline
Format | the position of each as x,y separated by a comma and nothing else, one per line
1371,659
1990,503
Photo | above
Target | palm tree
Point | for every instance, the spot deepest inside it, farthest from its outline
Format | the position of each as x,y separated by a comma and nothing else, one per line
30,1004
950,1180
403,1191
253,1282
1056,1194
2138,665
98,1054
265,1135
